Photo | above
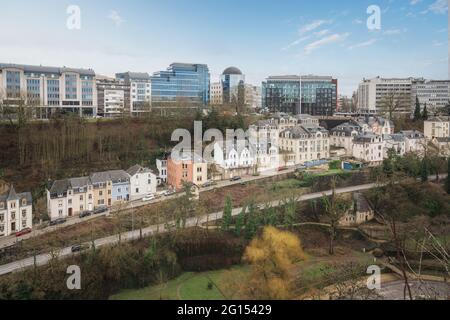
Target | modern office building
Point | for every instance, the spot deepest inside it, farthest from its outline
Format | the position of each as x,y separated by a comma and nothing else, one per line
435,94
48,90
318,94
216,94
140,91
232,81
181,84
253,97
113,98
375,95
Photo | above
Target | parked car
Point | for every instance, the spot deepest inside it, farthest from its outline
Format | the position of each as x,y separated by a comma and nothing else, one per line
235,179
57,221
79,247
149,197
85,214
282,169
23,232
208,184
169,192
101,209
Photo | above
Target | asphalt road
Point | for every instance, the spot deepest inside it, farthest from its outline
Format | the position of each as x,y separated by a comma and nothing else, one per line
43,259
10,240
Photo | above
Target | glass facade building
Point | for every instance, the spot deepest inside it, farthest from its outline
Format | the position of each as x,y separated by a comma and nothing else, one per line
318,95
181,83
232,81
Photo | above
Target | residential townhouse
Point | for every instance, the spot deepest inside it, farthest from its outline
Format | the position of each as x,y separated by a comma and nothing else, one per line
342,136
415,141
301,144
187,168
369,148
16,212
395,142
142,182
161,165
443,146
437,127
69,197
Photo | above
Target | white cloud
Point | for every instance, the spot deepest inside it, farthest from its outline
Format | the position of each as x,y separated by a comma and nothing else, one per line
116,18
392,32
437,7
325,41
296,42
414,2
312,26
358,21
363,44
437,43
322,33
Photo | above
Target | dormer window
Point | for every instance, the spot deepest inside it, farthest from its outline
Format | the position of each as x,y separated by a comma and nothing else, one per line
24,202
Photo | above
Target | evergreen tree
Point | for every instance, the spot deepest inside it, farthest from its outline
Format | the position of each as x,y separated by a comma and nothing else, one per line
425,113
417,113
240,219
251,225
424,170
447,182
227,214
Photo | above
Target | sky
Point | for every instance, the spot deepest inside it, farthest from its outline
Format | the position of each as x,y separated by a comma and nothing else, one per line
260,37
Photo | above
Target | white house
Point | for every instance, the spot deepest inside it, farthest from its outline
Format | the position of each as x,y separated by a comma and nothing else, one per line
142,182
415,141
396,142
301,144
238,156
161,165
369,148
16,212
342,136
437,127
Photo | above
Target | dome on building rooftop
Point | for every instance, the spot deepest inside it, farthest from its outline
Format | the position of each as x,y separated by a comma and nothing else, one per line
232,70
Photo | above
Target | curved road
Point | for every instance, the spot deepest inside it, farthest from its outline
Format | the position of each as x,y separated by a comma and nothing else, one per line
43,259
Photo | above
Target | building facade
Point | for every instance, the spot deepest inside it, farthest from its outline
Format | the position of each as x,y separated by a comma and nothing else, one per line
437,127
369,148
49,90
186,169
140,91
233,84
181,84
216,94
16,212
435,94
302,144
143,182
318,95
69,197
375,95
253,98
113,98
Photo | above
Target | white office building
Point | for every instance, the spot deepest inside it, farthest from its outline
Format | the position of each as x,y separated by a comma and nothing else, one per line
47,90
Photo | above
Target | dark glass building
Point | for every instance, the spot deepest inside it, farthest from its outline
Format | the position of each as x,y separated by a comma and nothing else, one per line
232,82
318,95
181,83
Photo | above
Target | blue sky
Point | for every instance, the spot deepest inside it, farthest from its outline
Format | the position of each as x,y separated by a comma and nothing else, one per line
261,37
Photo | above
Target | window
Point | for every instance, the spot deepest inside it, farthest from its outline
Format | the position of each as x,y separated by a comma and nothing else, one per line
24,213
70,201
119,190
137,190
90,197
100,193
60,212
24,202
2,217
2,206
81,198
109,192
24,224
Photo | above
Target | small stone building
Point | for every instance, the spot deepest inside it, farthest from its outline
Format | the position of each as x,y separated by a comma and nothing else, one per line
360,213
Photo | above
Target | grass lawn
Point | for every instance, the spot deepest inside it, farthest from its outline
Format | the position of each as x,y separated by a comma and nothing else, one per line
188,286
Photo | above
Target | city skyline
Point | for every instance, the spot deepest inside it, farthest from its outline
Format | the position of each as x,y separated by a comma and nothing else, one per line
260,38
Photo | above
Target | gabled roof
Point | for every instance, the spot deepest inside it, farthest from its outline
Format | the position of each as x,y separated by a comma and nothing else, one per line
60,186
